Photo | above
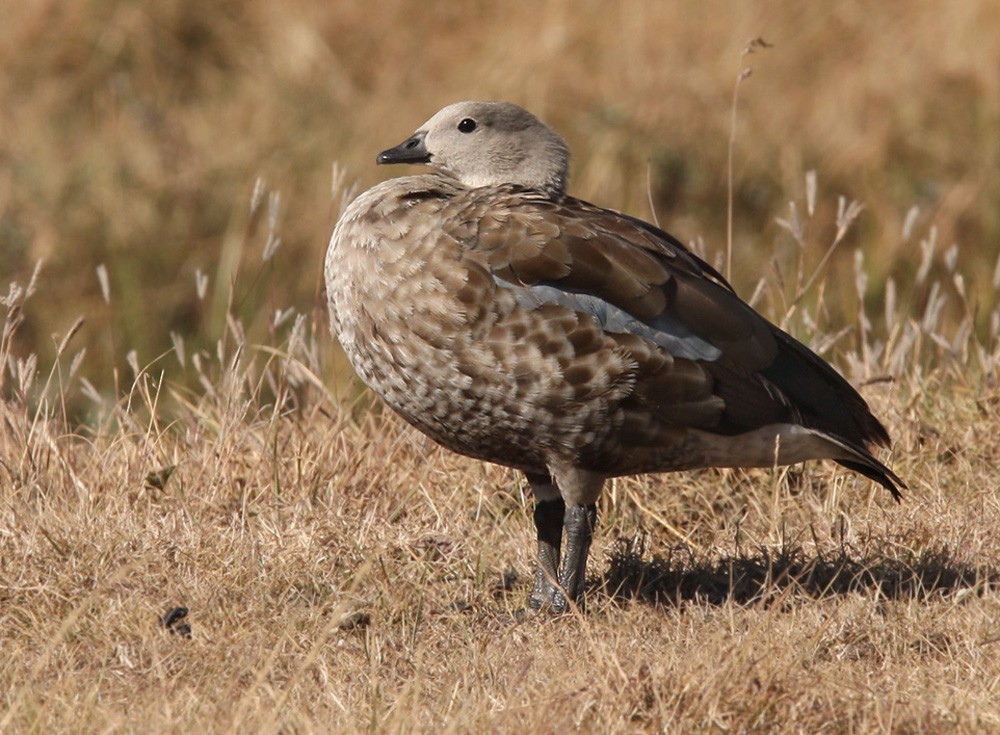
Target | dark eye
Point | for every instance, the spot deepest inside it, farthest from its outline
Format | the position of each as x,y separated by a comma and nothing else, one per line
467,125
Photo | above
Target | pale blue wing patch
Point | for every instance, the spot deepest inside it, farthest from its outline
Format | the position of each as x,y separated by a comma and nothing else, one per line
663,330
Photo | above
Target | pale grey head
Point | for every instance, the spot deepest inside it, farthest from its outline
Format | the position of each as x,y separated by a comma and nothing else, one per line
488,144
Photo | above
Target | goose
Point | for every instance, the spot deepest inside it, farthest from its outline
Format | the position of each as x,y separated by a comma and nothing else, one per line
516,324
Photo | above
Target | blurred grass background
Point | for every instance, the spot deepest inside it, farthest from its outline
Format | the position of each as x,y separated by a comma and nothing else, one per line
337,565
132,136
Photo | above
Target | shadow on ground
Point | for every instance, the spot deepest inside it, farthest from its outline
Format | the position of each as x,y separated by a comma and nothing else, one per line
765,576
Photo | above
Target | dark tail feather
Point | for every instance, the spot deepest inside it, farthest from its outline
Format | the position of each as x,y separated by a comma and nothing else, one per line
825,399
875,470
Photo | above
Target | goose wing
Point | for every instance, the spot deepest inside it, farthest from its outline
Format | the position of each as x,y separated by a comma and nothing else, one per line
635,279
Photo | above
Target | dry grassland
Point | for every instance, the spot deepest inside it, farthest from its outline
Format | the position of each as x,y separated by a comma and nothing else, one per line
341,573
196,441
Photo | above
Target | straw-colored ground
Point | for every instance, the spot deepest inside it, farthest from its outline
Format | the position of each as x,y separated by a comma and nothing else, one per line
344,574
197,440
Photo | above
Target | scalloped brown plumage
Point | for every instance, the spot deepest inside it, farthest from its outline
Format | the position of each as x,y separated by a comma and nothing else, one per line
515,324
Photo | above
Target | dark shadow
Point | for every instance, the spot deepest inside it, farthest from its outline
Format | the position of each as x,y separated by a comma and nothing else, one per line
762,576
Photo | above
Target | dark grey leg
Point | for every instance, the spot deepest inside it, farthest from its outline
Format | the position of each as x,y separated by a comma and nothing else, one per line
549,516
578,525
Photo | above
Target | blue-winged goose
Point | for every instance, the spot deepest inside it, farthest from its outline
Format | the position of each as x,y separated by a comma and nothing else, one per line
515,324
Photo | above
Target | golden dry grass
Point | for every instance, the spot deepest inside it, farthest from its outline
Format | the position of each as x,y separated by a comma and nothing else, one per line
344,574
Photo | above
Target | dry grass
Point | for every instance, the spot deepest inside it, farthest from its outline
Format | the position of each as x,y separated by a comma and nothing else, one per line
196,440
342,573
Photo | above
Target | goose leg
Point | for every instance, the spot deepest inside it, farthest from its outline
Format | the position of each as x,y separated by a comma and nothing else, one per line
549,526
565,505
578,526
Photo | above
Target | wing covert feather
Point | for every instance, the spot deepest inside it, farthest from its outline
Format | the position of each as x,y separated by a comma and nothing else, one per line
574,247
